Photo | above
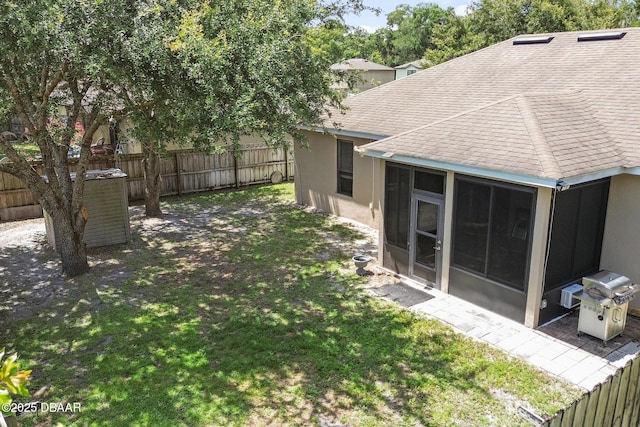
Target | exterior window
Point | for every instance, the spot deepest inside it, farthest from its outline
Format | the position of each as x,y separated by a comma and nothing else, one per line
492,230
397,203
345,167
427,181
409,72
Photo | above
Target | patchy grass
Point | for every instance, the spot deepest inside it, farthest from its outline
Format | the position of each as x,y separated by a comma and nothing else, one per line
29,151
224,313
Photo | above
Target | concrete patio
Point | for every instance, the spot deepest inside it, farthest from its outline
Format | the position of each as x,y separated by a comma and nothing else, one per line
555,348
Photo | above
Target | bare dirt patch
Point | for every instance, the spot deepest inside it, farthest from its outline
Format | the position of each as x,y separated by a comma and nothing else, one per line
31,269
27,233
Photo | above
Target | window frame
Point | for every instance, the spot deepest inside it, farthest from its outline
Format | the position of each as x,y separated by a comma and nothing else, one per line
393,215
341,173
486,273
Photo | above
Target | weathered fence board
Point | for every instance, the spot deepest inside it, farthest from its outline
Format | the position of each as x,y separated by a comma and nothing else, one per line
621,397
568,416
581,411
614,392
601,405
616,402
182,172
557,421
633,415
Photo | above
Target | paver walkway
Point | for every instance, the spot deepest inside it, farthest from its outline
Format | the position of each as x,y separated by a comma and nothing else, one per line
557,357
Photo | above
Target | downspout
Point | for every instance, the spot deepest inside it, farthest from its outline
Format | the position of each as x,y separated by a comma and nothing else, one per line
373,187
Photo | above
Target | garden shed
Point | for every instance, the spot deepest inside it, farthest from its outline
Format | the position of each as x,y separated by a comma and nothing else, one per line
106,200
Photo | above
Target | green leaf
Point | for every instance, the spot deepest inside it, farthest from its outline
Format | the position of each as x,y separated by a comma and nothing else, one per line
19,381
8,366
12,380
5,397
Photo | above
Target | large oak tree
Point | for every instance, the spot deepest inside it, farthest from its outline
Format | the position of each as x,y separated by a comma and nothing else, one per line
54,74
203,71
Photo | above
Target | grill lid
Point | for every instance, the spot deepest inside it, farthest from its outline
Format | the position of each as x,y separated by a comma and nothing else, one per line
609,284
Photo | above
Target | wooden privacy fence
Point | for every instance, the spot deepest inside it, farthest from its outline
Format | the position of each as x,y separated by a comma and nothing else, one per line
182,172
613,403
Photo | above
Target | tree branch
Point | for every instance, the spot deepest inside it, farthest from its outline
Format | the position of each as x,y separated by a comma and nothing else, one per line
25,110
19,166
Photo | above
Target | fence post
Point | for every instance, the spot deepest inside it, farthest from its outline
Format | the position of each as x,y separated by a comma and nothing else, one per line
632,413
286,161
176,157
235,168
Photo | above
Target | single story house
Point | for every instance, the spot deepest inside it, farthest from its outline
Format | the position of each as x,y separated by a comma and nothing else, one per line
501,176
362,74
407,69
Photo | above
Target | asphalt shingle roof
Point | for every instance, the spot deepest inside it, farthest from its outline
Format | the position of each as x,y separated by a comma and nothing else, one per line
360,64
416,64
555,110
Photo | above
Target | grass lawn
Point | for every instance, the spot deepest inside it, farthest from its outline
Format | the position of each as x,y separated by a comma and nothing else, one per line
27,150
239,308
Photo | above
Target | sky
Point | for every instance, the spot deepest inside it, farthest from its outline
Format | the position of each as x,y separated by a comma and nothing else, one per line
370,22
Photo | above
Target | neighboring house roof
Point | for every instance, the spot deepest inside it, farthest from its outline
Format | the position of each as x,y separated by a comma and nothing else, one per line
414,64
547,111
360,64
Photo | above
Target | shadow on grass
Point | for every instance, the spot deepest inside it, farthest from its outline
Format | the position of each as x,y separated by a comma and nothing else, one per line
238,314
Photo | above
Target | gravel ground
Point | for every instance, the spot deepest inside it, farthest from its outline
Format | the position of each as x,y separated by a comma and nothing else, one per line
29,233
29,269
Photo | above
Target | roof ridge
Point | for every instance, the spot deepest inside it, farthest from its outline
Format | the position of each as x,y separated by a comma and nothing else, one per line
455,116
615,143
522,96
544,153
558,33
549,33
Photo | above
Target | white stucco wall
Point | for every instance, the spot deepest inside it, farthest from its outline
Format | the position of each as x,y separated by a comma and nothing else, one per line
621,243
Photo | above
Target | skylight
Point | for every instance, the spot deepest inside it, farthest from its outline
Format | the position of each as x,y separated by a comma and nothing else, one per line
533,40
617,35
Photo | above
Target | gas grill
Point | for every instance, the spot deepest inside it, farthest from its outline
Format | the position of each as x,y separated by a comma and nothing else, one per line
604,302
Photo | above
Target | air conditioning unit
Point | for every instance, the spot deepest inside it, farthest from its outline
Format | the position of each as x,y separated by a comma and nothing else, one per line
566,299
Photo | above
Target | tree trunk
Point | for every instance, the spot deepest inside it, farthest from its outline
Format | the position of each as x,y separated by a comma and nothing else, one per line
70,244
152,180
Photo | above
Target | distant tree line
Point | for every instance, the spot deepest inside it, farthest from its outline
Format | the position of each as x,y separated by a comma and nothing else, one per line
427,31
